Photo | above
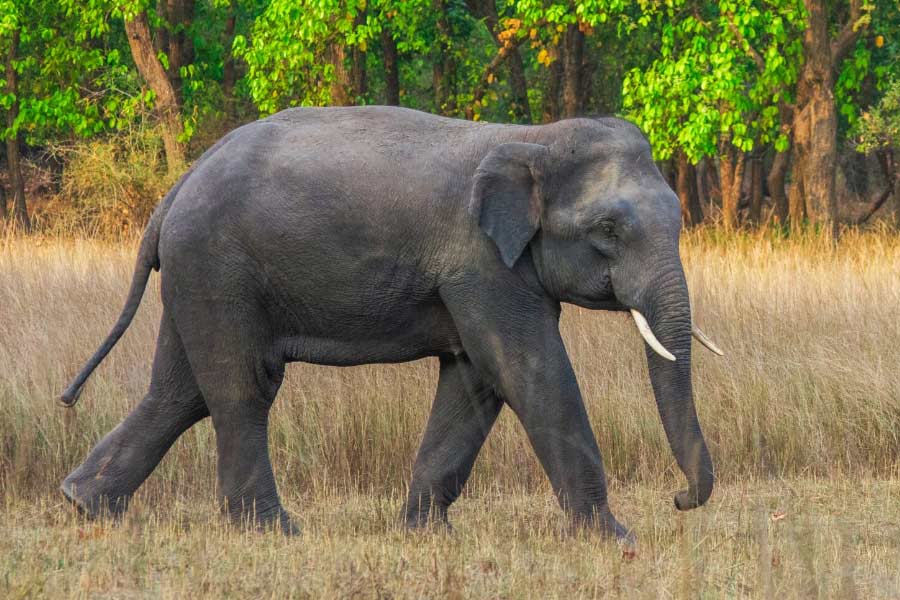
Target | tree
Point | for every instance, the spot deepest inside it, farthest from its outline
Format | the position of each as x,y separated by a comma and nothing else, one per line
296,52
391,66
815,113
92,19
508,51
137,28
13,157
443,61
57,81
878,131
559,29
229,72
179,50
686,188
715,86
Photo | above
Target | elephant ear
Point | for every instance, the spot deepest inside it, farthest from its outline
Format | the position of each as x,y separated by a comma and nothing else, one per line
506,196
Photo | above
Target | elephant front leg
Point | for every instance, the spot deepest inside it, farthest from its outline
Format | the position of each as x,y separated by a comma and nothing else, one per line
515,342
463,413
560,433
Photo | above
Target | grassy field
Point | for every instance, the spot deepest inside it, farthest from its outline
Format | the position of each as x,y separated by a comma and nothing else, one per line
802,417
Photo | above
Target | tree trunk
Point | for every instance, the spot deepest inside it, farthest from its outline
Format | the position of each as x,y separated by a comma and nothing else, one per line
358,77
815,153
341,86
796,202
550,108
756,190
731,177
229,76
518,84
13,158
16,181
892,187
444,69
686,188
891,168
586,83
148,65
815,116
775,182
179,14
161,39
572,59
702,184
391,67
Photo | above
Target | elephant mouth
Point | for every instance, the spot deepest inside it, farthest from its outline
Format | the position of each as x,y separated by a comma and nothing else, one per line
601,297
607,304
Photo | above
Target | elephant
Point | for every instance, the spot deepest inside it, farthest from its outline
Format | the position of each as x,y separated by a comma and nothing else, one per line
353,235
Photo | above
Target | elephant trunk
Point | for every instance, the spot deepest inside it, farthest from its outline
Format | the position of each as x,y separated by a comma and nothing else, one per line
668,312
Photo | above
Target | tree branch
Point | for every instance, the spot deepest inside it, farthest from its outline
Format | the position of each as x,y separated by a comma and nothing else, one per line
886,160
848,34
760,62
503,52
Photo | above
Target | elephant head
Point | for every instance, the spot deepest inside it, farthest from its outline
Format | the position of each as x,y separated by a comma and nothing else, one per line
602,228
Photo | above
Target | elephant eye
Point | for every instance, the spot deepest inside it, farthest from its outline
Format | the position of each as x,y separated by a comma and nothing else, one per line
607,228
603,237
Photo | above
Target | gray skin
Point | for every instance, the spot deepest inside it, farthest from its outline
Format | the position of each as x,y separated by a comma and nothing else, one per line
345,236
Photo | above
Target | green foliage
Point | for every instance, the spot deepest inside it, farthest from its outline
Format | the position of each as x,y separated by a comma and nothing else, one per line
719,76
283,58
879,127
290,41
202,93
874,61
67,82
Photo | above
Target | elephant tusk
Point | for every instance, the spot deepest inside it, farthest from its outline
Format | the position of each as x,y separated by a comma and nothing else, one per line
703,339
647,333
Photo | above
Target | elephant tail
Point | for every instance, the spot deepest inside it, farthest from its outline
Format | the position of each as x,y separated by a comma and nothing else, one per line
147,260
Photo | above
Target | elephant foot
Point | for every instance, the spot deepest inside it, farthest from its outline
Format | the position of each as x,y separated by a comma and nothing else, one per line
627,543
286,524
604,523
272,519
92,502
434,520
429,526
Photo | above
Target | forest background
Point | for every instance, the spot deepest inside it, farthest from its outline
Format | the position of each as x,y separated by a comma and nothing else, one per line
783,112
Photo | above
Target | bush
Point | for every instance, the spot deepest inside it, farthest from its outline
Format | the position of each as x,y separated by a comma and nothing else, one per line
110,185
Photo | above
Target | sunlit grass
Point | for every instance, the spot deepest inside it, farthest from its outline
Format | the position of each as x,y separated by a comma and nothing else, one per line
802,415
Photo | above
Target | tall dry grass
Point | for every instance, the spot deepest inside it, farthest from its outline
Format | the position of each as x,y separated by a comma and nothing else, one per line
803,419
809,386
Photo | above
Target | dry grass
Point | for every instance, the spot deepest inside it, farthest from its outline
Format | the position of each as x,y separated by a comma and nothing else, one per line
834,540
803,415
109,185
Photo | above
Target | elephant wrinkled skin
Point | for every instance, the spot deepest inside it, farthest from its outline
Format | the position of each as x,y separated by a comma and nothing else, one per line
343,236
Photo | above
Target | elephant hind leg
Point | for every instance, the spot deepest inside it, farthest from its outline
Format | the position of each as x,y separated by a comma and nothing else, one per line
239,376
463,413
125,457
246,482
